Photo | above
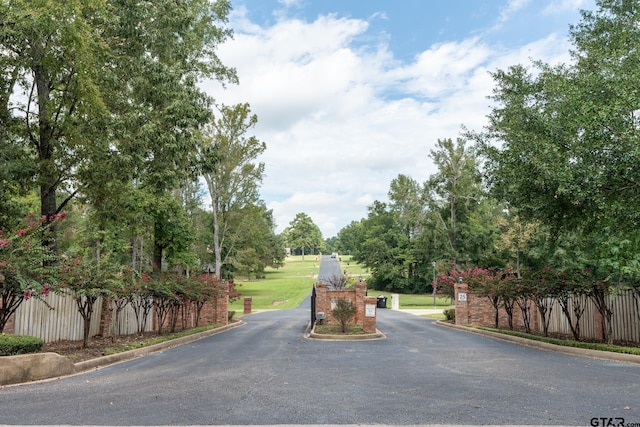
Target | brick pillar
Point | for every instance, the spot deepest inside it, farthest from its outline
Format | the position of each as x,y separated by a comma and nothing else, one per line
462,307
323,303
369,323
247,305
222,308
361,295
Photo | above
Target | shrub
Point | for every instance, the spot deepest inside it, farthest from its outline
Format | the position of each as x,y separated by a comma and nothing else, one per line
450,314
343,312
230,315
19,344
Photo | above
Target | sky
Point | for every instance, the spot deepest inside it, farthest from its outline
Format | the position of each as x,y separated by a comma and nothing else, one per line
350,94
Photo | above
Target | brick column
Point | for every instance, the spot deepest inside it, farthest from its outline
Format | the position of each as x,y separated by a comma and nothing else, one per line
369,323
462,307
247,305
361,295
222,308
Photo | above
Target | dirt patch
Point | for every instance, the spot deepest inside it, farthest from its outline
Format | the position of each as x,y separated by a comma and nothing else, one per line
98,346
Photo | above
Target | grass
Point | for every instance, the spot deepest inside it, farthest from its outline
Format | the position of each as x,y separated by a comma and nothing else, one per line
352,268
337,330
288,286
567,343
408,301
281,288
125,346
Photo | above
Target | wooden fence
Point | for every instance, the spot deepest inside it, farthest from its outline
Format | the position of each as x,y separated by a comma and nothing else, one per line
59,319
625,322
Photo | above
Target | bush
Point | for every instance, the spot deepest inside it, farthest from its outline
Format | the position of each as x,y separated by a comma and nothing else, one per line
19,344
450,314
230,315
343,312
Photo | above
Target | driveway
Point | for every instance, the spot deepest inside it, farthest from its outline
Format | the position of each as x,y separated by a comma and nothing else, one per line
266,372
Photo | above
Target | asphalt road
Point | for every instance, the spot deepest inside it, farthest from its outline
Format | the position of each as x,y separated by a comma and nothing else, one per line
329,268
266,372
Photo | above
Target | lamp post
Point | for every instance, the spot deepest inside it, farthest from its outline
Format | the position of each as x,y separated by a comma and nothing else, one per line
433,285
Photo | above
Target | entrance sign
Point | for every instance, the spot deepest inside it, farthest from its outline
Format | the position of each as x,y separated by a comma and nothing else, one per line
370,310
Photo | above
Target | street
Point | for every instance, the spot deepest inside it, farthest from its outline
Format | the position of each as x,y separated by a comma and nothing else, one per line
266,372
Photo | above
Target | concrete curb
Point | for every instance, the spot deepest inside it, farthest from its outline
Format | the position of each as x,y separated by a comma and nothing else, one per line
584,352
43,366
310,334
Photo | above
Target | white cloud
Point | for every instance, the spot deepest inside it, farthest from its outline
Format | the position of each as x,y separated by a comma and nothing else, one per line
341,122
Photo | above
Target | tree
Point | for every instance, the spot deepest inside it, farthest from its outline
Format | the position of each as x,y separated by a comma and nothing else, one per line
227,159
87,278
90,89
457,182
25,265
349,239
51,54
253,245
303,233
561,143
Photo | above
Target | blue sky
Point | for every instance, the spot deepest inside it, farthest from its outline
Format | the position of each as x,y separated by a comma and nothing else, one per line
351,93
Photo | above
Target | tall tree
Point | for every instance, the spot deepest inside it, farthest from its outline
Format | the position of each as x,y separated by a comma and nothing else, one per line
106,88
562,141
457,182
51,54
303,233
228,162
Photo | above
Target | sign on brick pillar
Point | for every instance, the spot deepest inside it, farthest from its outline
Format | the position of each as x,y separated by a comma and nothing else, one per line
461,303
369,322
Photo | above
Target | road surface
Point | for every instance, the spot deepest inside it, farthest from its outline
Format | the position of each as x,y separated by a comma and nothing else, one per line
267,372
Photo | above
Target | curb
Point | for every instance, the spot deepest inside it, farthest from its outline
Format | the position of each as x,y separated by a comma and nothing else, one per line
310,334
574,351
45,366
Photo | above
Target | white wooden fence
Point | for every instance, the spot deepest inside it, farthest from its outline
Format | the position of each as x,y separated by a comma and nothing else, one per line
625,322
59,319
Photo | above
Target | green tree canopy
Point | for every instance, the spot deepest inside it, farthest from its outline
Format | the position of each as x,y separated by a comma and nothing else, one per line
303,234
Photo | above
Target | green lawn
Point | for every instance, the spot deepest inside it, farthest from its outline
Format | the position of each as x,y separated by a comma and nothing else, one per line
285,287
415,301
288,286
